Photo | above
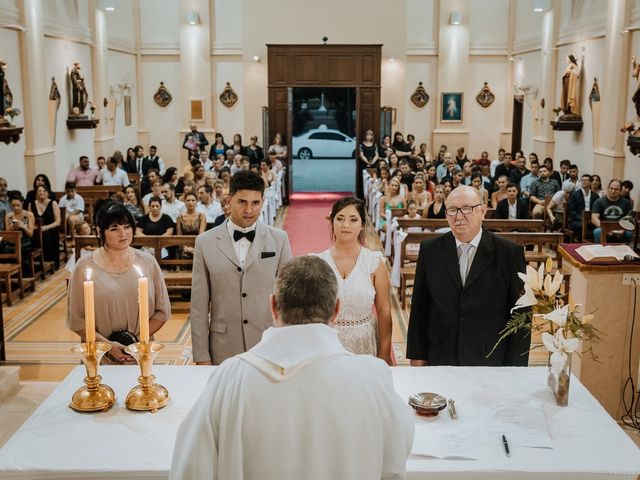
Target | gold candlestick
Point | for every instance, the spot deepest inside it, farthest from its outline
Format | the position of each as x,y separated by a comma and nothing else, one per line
147,395
94,396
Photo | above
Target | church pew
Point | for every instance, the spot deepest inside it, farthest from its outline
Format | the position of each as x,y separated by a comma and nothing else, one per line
11,266
176,271
494,225
526,239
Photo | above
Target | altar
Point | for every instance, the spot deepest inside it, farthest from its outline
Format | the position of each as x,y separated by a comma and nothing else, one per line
58,443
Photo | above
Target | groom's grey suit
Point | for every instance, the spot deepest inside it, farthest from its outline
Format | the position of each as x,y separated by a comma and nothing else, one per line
230,302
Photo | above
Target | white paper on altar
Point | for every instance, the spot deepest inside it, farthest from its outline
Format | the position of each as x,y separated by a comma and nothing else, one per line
443,445
522,421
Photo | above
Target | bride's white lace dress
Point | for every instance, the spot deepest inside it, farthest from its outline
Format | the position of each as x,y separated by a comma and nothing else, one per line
356,324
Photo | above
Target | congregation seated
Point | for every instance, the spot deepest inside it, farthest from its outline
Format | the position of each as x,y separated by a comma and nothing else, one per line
83,175
418,194
113,175
581,199
155,222
612,207
156,191
501,190
191,222
512,207
133,202
147,181
73,205
540,189
437,209
171,176
225,203
47,212
171,205
477,183
206,205
20,220
40,179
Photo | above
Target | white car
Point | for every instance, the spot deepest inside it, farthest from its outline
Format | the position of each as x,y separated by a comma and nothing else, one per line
323,142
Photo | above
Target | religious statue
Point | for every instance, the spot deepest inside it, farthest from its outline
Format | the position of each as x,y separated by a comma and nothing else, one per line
54,93
79,96
6,98
633,127
570,101
569,110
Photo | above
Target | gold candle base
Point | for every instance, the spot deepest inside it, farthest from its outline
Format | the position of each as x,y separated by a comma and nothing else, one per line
94,396
147,396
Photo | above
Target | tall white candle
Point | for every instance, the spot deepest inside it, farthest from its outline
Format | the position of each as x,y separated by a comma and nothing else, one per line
89,310
143,306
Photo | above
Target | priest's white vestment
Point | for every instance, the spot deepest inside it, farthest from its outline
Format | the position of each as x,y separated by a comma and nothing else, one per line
296,406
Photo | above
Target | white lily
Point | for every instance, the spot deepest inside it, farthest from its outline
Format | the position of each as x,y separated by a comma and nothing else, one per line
527,299
558,316
533,278
587,319
552,286
559,346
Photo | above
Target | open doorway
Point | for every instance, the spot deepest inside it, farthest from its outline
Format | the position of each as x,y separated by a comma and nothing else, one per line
323,140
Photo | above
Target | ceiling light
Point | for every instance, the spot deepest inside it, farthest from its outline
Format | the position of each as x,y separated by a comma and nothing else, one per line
193,18
107,5
541,5
455,18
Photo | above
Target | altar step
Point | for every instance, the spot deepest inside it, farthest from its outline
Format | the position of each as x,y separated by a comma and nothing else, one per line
17,406
9,379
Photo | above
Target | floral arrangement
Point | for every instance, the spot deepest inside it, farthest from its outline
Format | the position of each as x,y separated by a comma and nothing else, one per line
563,325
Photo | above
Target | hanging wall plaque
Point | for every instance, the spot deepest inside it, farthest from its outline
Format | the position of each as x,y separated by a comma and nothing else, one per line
162,96
420,97
485,96
228,97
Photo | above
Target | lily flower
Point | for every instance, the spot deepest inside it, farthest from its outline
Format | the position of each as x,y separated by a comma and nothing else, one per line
533,278
587,319
558,316
559,346
552,286
527,299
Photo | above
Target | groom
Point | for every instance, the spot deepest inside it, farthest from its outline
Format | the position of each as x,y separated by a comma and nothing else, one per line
234,269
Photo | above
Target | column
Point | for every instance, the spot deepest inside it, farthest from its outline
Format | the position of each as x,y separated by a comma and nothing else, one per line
505,133
543,140
39,154
453,72
608,156
103,140
143,132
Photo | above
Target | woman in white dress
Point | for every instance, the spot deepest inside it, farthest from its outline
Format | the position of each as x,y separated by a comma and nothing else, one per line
363,282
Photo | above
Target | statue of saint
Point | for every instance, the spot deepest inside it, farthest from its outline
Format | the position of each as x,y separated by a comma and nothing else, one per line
569,101
3,86
79,91
636,94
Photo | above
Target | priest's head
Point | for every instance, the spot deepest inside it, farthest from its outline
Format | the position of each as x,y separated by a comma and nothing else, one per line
306,291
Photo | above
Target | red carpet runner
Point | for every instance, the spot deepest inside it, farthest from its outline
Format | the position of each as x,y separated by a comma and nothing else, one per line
306,221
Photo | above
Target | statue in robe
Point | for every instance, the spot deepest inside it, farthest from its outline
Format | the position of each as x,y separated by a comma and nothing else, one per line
570,98
636,94
79,96
6,97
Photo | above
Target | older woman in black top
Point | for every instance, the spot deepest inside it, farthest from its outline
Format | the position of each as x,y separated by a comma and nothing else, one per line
155,222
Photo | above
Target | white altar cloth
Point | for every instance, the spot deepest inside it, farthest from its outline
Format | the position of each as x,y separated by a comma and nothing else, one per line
58,443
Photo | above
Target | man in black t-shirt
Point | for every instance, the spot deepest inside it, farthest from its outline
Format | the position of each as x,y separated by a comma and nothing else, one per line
611,208
407,174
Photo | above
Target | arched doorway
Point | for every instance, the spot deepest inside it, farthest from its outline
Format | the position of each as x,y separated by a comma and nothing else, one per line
319,73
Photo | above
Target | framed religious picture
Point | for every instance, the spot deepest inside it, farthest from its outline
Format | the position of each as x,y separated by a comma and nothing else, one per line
485,96
451,107
196,108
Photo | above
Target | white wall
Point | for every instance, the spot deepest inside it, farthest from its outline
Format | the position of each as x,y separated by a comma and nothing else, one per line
485,124
121,68
163,123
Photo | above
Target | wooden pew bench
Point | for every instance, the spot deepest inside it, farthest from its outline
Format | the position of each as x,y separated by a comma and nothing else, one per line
176,271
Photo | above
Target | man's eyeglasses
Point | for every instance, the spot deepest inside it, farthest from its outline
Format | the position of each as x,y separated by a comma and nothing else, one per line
466,210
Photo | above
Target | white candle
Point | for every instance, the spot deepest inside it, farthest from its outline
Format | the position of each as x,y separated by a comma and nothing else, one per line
89,310
143,306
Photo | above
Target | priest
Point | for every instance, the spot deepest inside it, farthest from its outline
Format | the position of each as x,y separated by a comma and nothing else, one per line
297,405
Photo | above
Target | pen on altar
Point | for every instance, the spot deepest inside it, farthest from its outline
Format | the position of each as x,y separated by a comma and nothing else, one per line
505,444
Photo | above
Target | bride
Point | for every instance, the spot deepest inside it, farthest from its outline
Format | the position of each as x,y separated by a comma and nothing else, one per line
363,282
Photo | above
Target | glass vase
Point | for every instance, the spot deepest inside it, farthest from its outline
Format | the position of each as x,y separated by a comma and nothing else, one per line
558,381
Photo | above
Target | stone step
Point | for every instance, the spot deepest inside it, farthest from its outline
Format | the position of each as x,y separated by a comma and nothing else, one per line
9,380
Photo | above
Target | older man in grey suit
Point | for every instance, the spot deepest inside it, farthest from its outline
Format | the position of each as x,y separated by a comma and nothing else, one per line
234,269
